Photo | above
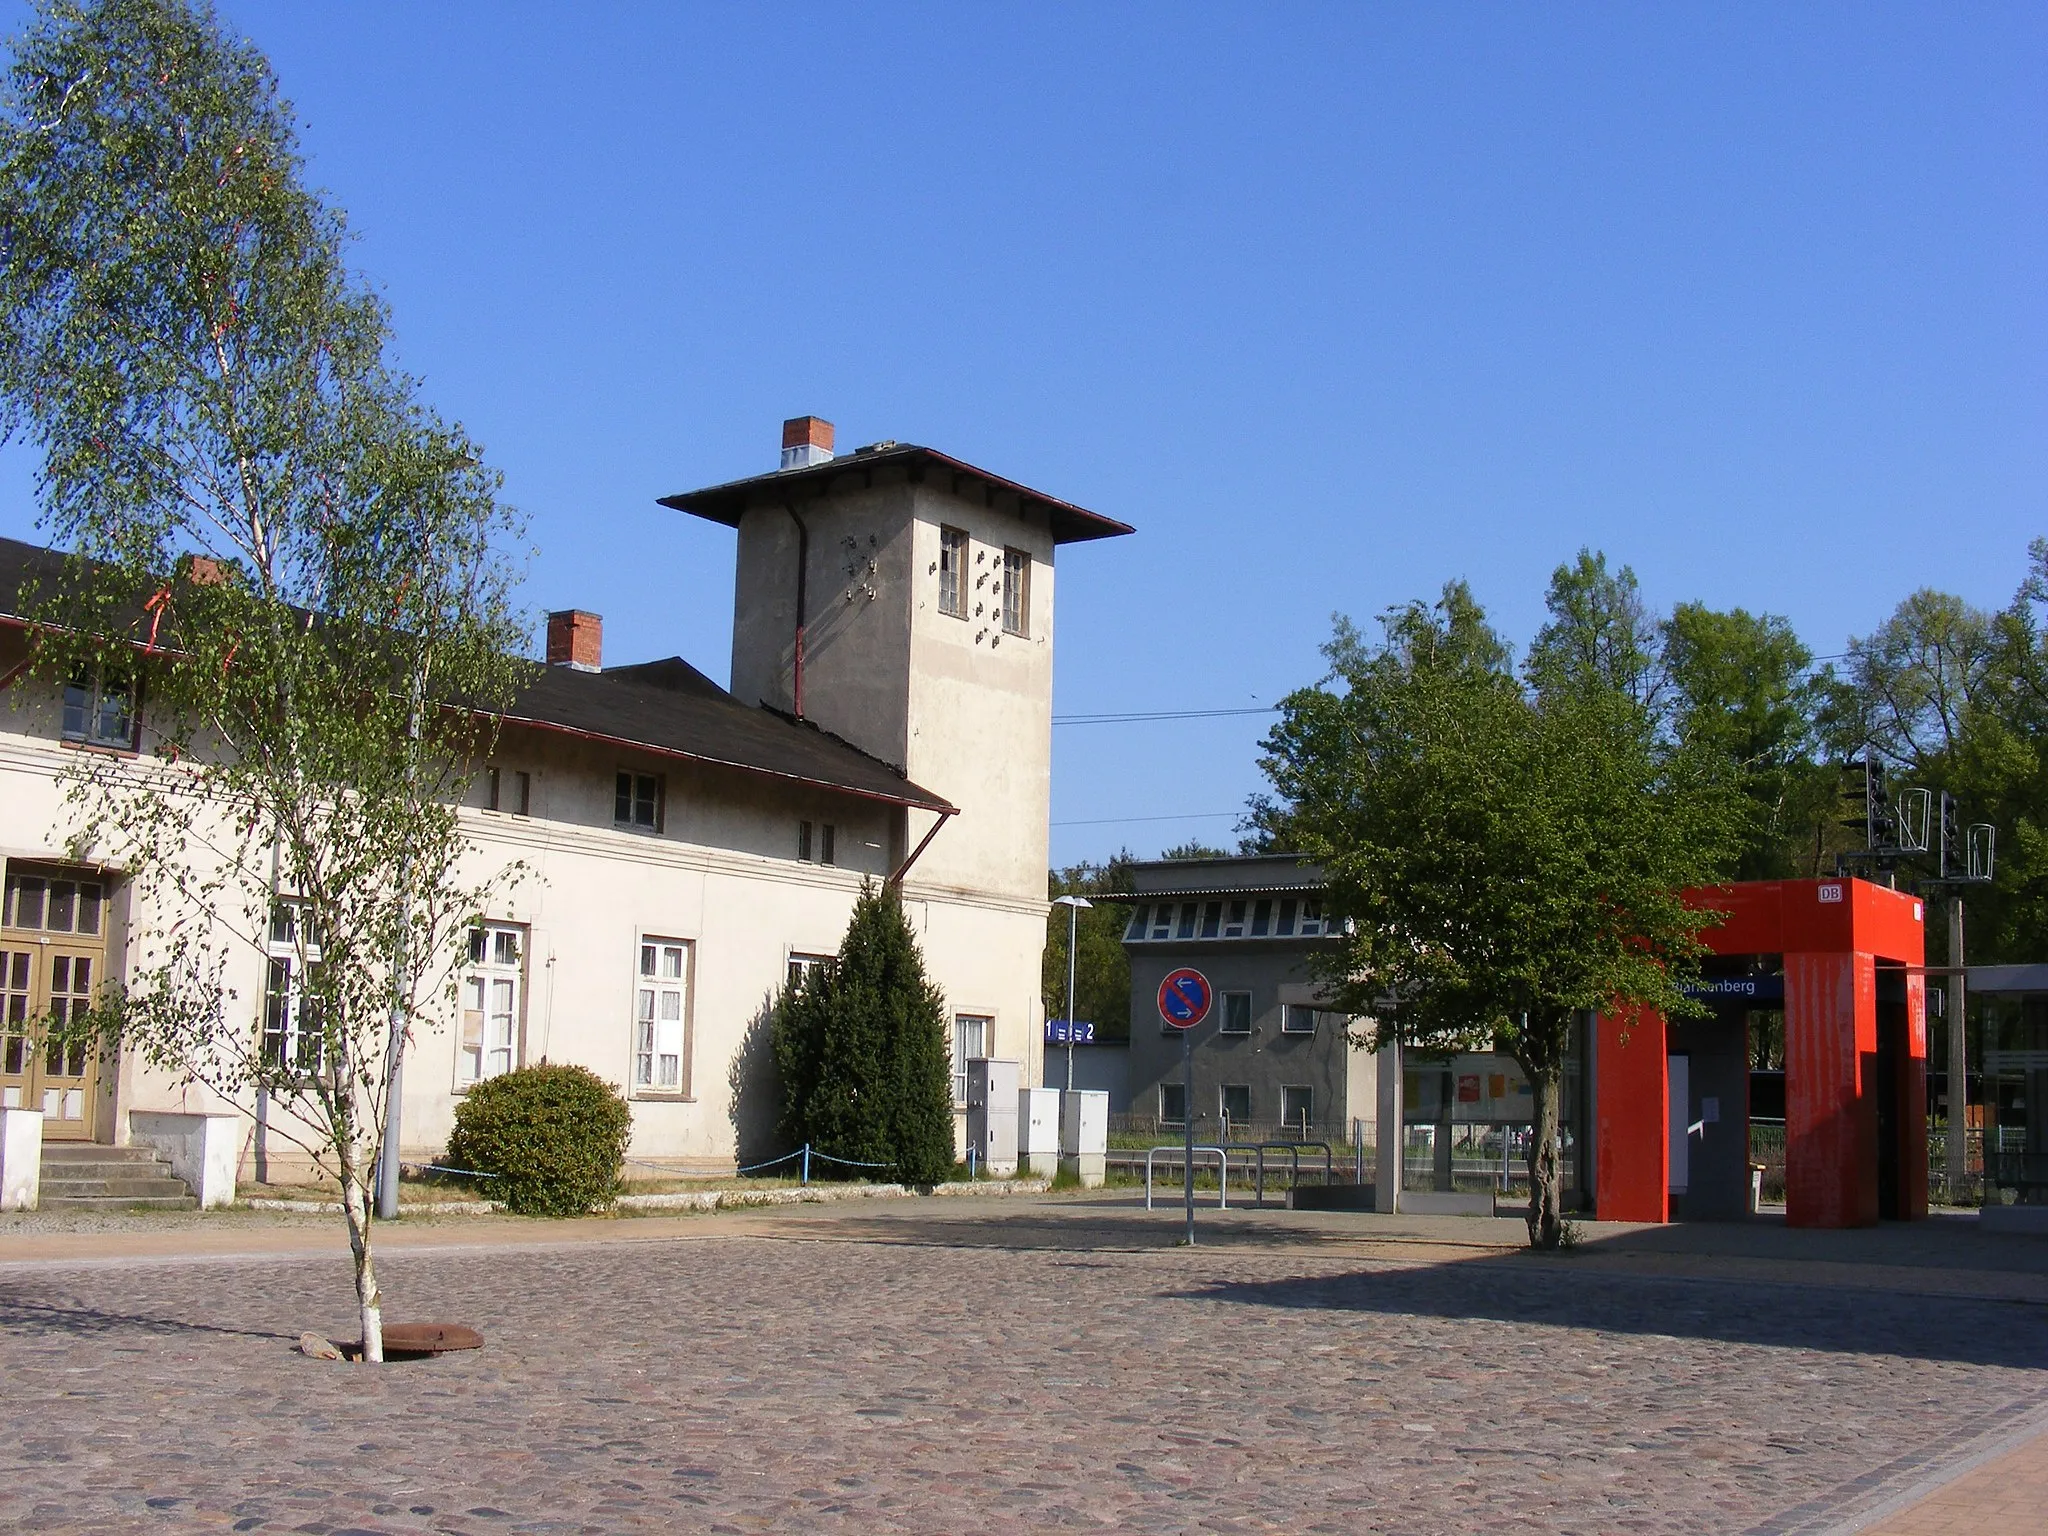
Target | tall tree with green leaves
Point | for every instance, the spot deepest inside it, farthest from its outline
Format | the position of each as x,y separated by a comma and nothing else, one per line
1102,971
1739,687
860,1045
291,566
1509,853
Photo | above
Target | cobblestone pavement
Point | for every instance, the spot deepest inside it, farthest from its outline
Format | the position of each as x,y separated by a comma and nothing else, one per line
989,1369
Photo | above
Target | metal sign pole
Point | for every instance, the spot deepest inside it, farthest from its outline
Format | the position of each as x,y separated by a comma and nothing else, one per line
1187,1051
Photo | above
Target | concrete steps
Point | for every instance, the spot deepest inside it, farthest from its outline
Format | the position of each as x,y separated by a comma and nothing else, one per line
84,1176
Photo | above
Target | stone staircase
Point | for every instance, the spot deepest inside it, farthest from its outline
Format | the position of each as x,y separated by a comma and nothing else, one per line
84,1176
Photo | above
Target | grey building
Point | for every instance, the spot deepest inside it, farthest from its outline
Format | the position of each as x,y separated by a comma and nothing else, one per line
1271,1054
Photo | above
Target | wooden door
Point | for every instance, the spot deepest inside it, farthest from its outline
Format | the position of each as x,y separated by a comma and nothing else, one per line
42,984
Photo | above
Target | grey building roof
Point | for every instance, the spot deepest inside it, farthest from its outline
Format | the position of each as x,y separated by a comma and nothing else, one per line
667,708
1254,874
727,503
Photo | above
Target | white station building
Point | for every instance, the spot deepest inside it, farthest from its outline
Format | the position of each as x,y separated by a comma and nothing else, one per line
889,718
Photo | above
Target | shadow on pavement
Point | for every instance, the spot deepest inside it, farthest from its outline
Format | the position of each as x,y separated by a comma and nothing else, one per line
40,1317
1539,1293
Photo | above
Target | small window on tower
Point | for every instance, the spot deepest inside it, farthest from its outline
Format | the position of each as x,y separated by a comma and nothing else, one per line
1016,592
953,572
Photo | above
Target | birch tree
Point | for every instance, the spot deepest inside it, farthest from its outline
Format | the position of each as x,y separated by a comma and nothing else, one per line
291,567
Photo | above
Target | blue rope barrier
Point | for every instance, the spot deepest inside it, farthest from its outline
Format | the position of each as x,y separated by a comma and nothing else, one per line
468,1173
806,1152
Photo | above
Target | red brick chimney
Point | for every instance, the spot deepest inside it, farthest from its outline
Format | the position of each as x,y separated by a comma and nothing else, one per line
576,639
806,440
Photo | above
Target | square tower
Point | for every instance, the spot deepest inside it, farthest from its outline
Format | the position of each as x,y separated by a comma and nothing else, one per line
903,600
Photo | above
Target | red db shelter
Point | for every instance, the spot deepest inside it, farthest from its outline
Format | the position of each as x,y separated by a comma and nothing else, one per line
1671,1098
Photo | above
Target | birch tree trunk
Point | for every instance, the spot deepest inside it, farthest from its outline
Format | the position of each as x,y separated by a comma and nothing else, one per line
369,1300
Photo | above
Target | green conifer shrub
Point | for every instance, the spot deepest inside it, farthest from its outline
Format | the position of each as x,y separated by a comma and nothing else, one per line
555,1137
860,1043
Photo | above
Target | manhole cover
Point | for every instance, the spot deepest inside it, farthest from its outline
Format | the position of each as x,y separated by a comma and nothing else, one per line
411,1341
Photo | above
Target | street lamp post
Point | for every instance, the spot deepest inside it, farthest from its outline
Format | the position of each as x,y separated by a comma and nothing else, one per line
1073,904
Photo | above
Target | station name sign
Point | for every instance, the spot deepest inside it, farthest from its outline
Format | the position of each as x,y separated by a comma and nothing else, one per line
1737,989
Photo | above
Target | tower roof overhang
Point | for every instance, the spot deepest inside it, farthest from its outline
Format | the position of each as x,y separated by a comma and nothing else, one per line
729,502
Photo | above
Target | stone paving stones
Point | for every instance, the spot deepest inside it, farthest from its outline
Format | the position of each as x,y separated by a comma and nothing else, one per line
864,1375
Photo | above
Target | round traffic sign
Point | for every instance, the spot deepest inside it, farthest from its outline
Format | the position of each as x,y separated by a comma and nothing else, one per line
1184,998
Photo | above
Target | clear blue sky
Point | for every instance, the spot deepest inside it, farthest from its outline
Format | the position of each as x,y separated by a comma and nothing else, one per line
1332,302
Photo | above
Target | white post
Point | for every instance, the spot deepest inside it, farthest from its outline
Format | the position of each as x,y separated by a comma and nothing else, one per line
1387,1171
21,1159
1073,930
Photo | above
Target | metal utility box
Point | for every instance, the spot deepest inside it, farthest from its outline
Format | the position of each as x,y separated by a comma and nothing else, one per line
992,1114
1084,1134
1038,1130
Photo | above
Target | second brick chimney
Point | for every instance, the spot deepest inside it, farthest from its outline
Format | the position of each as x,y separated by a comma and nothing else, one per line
806,440
576,639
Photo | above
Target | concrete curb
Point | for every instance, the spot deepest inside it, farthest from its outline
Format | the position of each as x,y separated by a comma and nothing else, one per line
696,1200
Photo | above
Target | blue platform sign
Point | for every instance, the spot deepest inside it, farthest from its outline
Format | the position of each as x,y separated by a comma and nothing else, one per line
1752,991
1069,1032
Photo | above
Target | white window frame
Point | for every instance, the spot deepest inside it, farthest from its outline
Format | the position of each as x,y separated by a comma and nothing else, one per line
801,963
953,548
1308,1102
1180,1089
1016,593
288,954
488,1035
1223,1025
663,968
974,1039
1289,1012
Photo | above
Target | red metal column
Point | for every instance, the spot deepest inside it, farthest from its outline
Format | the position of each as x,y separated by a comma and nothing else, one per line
1632,1110
1830,1118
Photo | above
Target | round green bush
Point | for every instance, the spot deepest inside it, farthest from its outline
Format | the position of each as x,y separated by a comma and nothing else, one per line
555,1137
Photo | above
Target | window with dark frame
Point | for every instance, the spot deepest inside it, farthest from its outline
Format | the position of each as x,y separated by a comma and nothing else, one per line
1016,592
803,841
98,713
639,800
1235,1102
953,572
828,844
51,903
509,792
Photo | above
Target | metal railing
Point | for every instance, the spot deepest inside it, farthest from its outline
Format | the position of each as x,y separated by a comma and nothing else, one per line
1222,1171
1293,1149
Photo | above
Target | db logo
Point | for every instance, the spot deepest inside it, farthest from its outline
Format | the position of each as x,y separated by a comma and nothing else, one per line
1831,892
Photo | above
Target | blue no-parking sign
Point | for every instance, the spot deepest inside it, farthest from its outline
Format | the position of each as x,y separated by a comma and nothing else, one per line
1184,998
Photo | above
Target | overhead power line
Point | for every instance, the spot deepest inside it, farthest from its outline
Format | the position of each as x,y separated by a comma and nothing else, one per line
1113,821
1129,716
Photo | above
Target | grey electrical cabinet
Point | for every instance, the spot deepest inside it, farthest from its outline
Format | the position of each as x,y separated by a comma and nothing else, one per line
992,1114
